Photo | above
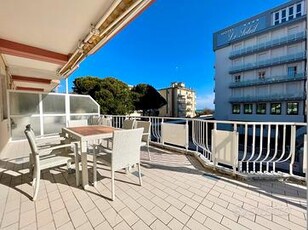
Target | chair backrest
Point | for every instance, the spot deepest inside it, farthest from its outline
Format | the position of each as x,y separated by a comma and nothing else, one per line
126,148
77,123
128,124
146,125
31,139
106,121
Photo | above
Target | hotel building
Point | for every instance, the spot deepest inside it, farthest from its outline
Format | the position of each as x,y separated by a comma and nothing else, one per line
181,101
260,66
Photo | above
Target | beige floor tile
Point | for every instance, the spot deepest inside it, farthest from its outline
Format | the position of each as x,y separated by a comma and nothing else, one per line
179,215
10,218
61,218
121,226
78,217
112,217
195,225
161,215
175,224
212,224
95,217
159,225
27,217
105,225
145,215
129,216
85,226
140,225
210,213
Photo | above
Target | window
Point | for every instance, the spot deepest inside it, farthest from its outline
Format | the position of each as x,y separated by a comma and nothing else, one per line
237,78
276,108
287,14
299,10
236,108
261,108
276,19
284,15
292,108
261,75
291,13
248,108
292,71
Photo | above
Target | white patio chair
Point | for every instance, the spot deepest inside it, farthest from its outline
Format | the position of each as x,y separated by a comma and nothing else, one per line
124,154
76,123
106,121
128,124
41,159
146,137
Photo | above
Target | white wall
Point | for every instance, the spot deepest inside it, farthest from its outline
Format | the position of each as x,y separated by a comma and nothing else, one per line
4,126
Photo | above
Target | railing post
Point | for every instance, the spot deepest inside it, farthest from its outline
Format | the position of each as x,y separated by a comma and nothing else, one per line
187,135
292,147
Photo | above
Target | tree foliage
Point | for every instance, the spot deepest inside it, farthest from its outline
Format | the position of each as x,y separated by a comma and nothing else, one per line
146,98
113,96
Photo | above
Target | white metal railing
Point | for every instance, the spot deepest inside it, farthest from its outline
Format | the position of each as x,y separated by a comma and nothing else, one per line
261,148
268,62
269,44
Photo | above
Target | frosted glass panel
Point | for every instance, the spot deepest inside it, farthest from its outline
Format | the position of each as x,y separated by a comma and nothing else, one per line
24,103
54,104
82,105
53,125
18,125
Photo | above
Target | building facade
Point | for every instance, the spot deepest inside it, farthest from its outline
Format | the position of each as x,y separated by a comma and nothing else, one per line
181,101
260,66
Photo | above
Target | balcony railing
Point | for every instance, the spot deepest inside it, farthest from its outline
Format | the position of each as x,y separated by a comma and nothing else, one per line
253,149
268,80
269,62
269,45
268,98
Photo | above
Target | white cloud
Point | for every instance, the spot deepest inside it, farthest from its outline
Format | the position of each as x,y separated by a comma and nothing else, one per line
205,101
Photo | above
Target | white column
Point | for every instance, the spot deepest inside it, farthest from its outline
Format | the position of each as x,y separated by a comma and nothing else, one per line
67,102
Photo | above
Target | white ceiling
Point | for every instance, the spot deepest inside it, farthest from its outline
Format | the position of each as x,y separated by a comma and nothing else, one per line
53,26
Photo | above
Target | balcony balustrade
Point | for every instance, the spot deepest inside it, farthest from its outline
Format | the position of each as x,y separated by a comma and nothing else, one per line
269,62
258,148
268,80
268,98
300,36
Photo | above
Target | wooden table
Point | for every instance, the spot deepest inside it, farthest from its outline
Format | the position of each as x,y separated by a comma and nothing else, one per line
87,135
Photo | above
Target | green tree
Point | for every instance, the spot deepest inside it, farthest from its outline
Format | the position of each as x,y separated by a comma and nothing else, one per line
147,99
113,96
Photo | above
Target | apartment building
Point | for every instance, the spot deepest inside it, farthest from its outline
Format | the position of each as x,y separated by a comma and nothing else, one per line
260,66
181,101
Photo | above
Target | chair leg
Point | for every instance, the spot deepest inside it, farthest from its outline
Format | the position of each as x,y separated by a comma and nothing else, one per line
94,168
148,146
30,164
69,166
36,182
139,172
76,164
112,185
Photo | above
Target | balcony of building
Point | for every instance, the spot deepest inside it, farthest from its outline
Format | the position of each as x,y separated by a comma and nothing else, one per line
268,98
189,182
286,40
269,62
268,80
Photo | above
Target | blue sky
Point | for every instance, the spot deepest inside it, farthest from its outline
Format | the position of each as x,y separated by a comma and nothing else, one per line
171,41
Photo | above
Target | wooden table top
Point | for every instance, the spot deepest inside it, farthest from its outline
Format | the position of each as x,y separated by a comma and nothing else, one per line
92,130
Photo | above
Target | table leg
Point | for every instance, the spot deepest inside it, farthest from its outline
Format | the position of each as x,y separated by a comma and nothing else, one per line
84,166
